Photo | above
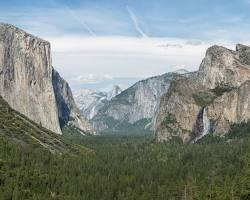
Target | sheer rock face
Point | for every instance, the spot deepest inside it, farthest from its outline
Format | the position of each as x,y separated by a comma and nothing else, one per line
133,104
26,76
114,92
26,80
220,86
178,110
232,107
223,66
67,110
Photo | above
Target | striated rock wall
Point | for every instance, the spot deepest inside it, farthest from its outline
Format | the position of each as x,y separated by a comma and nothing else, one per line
232,107
26,76
29,83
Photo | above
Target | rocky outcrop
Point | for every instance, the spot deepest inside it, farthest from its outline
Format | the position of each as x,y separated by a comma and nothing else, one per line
243,52
114,92
26,78
223,66
232,107
135,106
209,100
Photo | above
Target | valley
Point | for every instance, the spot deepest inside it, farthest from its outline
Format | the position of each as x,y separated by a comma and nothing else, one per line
132,116
129,167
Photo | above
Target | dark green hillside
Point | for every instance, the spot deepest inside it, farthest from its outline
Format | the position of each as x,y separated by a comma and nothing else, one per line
18,129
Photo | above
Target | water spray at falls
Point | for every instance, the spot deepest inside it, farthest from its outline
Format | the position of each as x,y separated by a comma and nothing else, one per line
203,125
206,122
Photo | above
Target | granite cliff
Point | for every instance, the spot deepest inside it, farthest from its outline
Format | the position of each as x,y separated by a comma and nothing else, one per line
133,109
68,112
210,100
29,83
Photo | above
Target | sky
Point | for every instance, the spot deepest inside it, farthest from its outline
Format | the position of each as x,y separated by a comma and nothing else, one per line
98,43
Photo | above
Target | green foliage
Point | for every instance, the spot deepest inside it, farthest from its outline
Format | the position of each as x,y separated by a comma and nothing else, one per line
19,129
126,167
169,122
126,128
205,98
211,139
220,90
202,99
175,140
169,119
239,131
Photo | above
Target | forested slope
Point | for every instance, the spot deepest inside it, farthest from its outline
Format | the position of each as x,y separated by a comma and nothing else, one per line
17,129
130,167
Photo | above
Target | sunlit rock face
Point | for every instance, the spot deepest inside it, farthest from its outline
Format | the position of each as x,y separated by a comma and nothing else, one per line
135,105
231,107
26,77
223,66
217,92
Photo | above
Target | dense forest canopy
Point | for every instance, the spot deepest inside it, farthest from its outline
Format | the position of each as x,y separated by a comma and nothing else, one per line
129,167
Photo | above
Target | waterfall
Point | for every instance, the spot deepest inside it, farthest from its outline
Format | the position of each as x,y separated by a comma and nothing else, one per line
206,123
203,125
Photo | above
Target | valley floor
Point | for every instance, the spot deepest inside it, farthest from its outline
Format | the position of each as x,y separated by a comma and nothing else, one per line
127,167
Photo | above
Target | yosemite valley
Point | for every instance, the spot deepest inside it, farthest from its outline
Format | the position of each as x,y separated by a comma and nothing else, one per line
179,135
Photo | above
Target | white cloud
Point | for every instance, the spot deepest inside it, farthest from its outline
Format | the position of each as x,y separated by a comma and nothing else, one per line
126,46
95,57
194,42
90,78
98,58
180,67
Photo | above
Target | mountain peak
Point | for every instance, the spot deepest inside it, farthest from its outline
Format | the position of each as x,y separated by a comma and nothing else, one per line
218,51
114,92
224,65
6,29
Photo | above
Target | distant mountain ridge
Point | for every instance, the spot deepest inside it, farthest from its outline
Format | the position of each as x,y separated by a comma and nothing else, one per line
134,108
91,101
